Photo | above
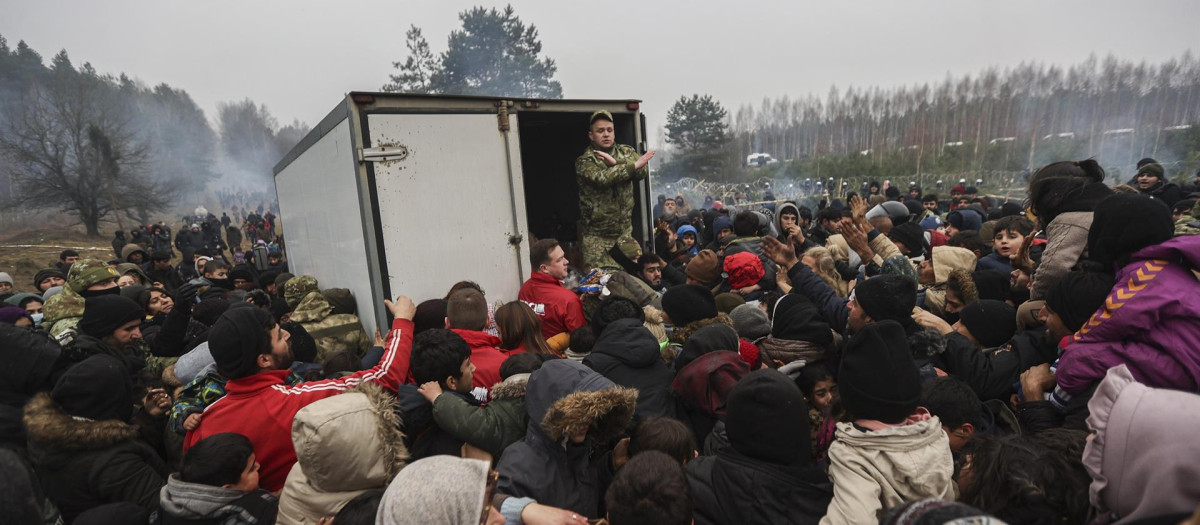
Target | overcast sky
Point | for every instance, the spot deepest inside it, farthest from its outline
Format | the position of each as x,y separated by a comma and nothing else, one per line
300,56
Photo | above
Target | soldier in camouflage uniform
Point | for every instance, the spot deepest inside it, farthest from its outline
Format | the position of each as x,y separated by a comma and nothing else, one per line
605,173
333,333
63,311
1189,224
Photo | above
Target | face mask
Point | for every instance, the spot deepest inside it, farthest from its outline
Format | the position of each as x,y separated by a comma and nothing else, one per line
88,294
37,320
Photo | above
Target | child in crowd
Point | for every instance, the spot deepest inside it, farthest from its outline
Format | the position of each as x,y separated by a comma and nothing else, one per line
820,391
1010,233
218,483
889,450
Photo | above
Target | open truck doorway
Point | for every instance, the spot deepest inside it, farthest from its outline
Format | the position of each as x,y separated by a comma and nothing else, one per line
407,194
550,142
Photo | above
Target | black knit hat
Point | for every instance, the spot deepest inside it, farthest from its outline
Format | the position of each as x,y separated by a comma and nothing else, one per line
878,378
689,303
1153,169
209,310
43,274
992,284
888,297
304,347
797,319
105,314
992,322
766,419
913,237
1125,223
236,339
97,388
1077,296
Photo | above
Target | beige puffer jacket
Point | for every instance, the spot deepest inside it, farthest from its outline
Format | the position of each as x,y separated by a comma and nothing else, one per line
876,470
345,445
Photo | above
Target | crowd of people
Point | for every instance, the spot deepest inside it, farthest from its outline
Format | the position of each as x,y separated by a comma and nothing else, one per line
886,358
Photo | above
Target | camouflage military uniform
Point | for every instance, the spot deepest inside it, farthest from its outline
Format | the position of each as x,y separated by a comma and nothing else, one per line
64,311
606,202
333,333
1189,224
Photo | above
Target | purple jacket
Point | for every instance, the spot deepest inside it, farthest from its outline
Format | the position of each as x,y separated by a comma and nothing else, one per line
1150,322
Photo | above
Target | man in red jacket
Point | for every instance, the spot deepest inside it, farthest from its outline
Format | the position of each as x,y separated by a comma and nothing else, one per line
560,309
467,315
251,350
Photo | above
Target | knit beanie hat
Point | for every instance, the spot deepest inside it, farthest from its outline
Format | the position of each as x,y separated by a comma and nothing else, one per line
750,321
97,388
722,223
766,419
712,338
1153,169
209,310
304,347
688,303
6,278
281,280
437,489
1125,223
727,301
878,378
704,267
992,322
1077,296
964,219
743,268
267,278
236,340
887,297
912,236
44,274
103,315
10,314
991,284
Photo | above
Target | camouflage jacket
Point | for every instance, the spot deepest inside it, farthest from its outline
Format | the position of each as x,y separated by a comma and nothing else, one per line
605,192
62,315
333,333
203,391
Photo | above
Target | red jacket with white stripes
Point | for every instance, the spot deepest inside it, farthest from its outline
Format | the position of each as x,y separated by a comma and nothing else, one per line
261,406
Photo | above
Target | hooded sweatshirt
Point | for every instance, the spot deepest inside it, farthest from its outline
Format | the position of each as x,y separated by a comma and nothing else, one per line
628,354
1140,464
441,489
946,259
182,502
345,445
562,398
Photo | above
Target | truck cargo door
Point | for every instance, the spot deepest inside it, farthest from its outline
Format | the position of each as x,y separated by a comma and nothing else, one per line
448,191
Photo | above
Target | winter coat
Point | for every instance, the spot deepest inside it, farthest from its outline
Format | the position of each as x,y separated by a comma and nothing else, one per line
486,356
559,308
876,470
1066,244
170,278
1167,192
702,388
183,503
628,355
562,398
492,428
333,333
345,445
1148,323
262,407
993,372
993,261
30,359
1143,449
731,488
83,463
946,259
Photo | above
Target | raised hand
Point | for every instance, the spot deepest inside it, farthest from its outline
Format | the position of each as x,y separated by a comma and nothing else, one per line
608,159
645,159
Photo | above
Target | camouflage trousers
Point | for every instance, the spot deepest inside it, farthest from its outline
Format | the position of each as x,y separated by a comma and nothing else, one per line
595,252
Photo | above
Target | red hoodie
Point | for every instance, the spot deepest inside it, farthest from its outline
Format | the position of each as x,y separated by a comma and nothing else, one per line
261,406
560,309
485,355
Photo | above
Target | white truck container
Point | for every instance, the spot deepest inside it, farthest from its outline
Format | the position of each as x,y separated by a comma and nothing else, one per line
407,194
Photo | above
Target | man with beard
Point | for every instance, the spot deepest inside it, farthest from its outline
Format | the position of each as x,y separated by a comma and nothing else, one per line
253,352
110,326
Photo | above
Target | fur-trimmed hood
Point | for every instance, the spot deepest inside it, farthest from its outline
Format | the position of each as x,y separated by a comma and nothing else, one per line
681,335
563,397
52,429
511,388
926,343
350,441
962,281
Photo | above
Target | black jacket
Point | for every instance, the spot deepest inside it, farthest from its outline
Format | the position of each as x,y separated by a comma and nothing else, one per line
992,373
730,488
82,464
170,278
1168,192
628,355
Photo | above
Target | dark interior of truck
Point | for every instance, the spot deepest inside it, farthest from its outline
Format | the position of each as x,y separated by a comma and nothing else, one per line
550,143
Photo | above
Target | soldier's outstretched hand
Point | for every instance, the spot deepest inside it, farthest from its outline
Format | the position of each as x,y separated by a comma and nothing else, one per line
608,159
644,160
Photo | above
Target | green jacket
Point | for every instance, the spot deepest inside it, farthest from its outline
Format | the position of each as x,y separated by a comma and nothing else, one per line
333,333
492,428
605,192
